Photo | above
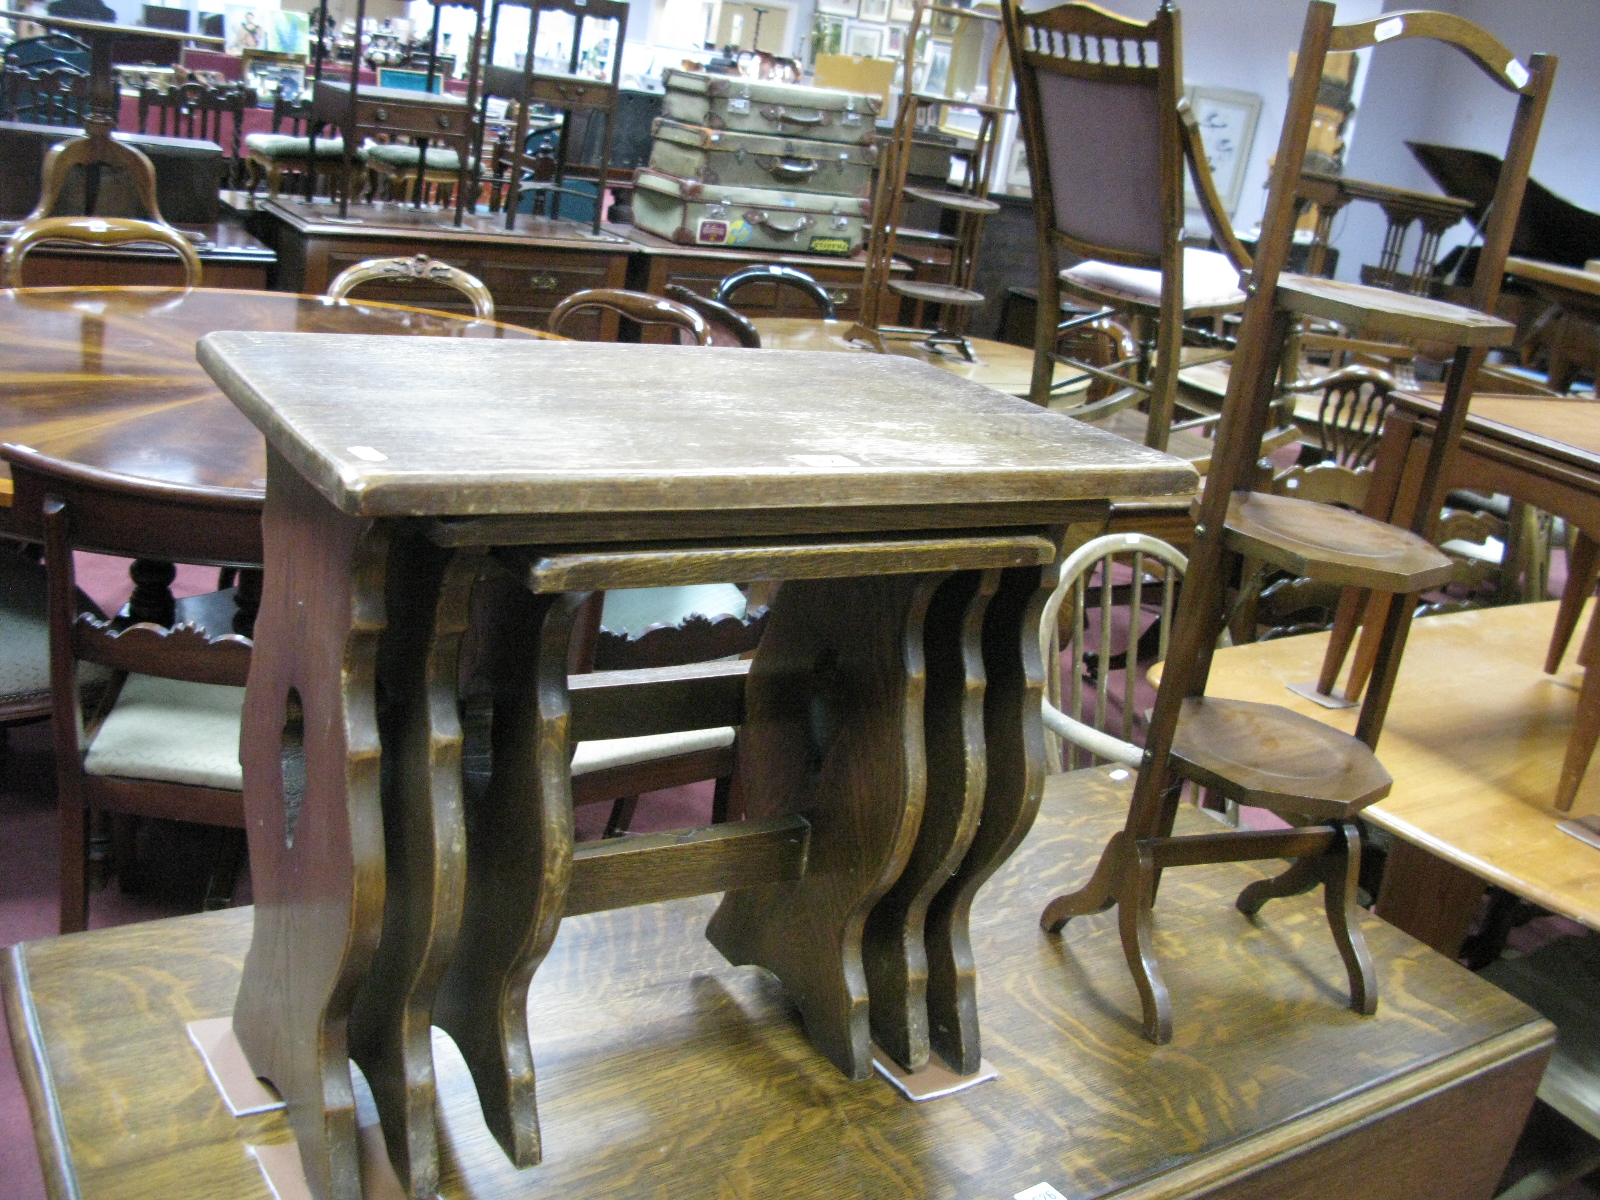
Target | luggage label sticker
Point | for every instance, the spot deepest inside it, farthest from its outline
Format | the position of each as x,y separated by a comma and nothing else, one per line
723,232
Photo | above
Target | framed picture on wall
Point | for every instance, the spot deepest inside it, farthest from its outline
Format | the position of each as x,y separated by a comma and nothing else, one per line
827,35
874,10
901,10
1227,120
894,41
863,39
839,8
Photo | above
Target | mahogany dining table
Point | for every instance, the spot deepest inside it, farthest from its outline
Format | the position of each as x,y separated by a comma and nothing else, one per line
107,377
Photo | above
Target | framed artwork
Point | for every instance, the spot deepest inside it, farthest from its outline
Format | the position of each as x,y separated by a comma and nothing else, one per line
894,41
273,74
1227,120
874,10
863,39
253,27
932,73
827,35
839,8
901,10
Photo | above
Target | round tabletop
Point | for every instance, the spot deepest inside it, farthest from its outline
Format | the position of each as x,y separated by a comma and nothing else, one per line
107,377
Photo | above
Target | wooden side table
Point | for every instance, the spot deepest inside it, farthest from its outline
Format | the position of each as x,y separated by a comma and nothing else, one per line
892,750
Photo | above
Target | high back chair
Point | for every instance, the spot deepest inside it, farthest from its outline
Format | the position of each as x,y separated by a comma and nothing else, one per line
639,307
568,88
1118,572
1316,777
198,110
418,268
271,156
1099,101
163,738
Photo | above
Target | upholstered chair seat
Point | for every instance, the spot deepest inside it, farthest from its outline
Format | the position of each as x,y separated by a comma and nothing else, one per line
173,730
1210,281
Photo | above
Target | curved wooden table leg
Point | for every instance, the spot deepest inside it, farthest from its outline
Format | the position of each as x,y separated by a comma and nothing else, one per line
425,850
313,814
833,731
1014,760
1581,572
893,951
519,862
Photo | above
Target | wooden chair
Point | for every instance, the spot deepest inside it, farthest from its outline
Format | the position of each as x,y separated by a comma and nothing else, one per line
197,110
639,307
1099,99
272,156
163,740
566,90
1090,571
729,326
419,268
95,231
45,95
1256,754
779,277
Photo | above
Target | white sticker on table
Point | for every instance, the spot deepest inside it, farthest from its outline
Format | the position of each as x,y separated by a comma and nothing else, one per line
366,454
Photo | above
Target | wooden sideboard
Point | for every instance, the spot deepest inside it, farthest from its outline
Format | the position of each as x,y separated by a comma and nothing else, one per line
527,272
229,258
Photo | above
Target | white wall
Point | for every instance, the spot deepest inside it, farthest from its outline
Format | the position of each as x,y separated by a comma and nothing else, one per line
1245,44
1419,91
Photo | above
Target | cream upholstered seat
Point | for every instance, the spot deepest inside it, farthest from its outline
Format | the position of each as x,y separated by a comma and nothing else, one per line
24,637
1210,280
171,729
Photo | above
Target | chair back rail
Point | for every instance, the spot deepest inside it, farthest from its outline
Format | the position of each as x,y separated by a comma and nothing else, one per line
780,277
729,326
635,306
418,268
184,651
95,231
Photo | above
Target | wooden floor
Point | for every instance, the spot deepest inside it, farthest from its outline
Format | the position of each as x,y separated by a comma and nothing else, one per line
665,1072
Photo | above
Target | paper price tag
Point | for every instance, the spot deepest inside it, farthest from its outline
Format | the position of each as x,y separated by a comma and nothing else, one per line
1039,1191
1392,28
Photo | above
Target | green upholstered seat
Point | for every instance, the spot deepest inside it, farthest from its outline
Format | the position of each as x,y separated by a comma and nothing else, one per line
404,157
25,640
283,147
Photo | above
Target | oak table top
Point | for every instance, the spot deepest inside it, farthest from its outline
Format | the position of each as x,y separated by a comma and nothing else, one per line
586,428
1570,279
672,1073
107,376
1474,740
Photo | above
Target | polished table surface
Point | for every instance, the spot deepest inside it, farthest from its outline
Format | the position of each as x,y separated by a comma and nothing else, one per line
671,1073
107,377
1571,279
1474,739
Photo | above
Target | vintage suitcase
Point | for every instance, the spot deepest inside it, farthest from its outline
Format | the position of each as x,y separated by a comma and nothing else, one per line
699,214
728,156
777,109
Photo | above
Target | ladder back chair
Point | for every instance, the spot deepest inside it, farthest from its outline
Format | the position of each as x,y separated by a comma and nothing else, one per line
1108,142
45,95
1259,754
198,110
271,156
163,738
418,268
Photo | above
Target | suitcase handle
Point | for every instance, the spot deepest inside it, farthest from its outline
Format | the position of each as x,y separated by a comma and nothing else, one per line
792,170
776,112
802,223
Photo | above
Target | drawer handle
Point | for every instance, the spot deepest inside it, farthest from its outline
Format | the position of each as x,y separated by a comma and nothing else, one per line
543,283
381,114
443,119
841,296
